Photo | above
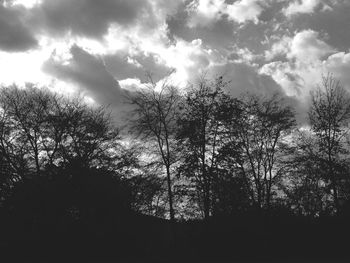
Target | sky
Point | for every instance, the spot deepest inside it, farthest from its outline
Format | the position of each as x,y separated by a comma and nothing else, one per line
103,48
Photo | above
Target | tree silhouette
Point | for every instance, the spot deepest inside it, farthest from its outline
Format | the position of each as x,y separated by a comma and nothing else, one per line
41,129
199,130
329,118
155,111
47,139
302,182
255,130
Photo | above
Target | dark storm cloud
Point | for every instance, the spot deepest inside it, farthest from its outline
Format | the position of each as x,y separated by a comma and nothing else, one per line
245,79
122,66
220,34
223,33
14,35
90,18
89,73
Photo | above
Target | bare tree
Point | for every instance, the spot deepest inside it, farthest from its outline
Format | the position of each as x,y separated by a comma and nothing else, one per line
24,122
302,183
155,111
199,133
89,136
40,129
254,134
329,118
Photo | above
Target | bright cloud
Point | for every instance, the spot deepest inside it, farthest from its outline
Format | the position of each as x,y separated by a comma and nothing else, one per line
306,46
244,10
301,6
206,12
281,47
339,65
22,67
104,47
27,3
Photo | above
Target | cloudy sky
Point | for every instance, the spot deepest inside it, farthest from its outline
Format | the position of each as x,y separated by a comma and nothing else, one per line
102,47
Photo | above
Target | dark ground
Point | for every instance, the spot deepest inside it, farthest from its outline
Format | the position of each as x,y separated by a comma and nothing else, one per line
137,238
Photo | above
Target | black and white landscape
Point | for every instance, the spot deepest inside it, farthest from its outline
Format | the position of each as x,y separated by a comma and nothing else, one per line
174,130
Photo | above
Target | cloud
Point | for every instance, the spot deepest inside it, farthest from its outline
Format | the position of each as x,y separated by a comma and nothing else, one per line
189,60
298,62
333,22
244,10
89,18
206,12
88,73
303,64
301,6
244,55
123,66
289,76
219,34
339,65
279,48
262,45
27,3
246,79
22,67
130,84
299,79
15,36
254,36
306,46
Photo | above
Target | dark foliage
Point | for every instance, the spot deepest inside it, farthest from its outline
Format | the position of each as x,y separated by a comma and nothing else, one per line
73,188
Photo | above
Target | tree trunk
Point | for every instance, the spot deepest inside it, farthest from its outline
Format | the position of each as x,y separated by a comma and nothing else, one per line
206,205
333,183
335,196
170,195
